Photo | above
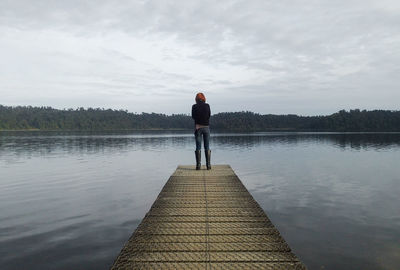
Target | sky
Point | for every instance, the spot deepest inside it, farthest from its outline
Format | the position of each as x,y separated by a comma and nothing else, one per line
306,57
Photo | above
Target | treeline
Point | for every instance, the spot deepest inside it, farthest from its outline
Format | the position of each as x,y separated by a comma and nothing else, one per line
47,118
353,120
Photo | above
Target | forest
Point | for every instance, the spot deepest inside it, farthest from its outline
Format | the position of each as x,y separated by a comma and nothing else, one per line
47,118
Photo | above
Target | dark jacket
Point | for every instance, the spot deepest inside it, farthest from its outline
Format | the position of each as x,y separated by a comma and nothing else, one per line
201,113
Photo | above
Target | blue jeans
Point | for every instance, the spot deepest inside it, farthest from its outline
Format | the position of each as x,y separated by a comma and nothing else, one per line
205,132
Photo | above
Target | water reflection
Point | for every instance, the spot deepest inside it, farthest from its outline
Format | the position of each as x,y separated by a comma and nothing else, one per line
70,200
357,141
45,143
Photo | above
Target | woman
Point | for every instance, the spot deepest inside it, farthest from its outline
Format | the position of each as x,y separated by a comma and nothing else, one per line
201,114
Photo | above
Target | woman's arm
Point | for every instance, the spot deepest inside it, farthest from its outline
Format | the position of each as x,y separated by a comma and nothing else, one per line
193,111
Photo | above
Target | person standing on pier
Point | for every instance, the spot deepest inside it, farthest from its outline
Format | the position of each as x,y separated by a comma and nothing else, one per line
201,114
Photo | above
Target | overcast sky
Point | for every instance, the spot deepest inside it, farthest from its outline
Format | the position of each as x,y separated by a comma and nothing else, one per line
305,57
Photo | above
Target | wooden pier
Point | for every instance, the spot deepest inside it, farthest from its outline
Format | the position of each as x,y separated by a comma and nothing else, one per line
206,220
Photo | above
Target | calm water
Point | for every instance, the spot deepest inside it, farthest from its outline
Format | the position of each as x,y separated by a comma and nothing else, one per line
71,200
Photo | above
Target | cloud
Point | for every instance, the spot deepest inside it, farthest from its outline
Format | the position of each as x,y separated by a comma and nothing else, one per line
309,57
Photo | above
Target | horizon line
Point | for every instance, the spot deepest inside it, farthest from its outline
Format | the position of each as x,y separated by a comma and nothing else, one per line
242,111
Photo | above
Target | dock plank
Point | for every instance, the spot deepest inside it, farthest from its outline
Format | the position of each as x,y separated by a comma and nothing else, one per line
206,220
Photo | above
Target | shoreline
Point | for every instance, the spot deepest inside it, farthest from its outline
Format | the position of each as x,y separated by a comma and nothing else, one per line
214,131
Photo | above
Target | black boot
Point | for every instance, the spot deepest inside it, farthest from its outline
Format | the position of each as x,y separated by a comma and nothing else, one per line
208,159
198,159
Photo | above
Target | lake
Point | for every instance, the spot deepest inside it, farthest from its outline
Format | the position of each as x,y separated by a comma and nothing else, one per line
70,200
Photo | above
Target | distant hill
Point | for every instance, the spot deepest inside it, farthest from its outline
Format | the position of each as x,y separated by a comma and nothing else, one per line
47,118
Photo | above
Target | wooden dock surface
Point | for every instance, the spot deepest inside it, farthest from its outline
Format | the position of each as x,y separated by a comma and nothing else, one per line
206,220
